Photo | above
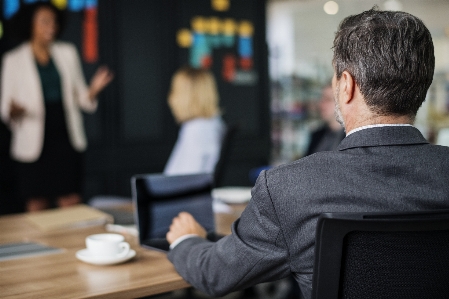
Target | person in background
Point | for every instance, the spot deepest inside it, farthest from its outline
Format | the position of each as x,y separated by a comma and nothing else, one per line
193,100
383,164
43,90
328,136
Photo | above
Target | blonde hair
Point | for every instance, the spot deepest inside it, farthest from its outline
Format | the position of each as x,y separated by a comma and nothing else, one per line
193,94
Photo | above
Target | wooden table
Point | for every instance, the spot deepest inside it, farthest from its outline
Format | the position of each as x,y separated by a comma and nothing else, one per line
62,275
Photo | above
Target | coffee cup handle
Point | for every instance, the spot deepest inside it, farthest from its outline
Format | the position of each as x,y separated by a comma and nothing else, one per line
124,249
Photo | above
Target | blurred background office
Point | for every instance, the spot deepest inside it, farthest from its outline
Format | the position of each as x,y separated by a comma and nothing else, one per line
145,42
271,60
300,35
328,136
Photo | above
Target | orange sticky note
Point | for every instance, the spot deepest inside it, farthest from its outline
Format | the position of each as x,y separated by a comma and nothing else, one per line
90,35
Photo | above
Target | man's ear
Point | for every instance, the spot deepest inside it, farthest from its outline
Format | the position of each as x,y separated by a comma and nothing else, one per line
347,87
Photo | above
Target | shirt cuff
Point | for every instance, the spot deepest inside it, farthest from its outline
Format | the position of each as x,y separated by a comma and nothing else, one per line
182,238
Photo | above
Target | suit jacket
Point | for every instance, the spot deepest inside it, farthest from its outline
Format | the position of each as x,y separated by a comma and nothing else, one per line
376,169
21,83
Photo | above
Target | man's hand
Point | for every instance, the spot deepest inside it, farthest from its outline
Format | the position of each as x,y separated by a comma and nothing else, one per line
184,224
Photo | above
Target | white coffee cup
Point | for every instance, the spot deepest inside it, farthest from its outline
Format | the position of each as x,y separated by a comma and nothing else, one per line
107,245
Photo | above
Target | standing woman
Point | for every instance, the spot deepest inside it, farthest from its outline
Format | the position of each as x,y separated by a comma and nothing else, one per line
42,92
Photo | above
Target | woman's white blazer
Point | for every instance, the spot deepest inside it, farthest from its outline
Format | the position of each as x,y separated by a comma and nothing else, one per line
20,82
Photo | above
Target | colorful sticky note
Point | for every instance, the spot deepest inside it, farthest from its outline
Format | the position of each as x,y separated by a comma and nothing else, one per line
10,7
246,63
199,50
91,3
227,40
60,4
184,38
76,5
228,27
245,46
246,28
199,24
220,5
90,35
214,26
214,40
228,68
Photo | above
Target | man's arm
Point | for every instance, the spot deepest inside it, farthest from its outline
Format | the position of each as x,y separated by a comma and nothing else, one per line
183,226
255,251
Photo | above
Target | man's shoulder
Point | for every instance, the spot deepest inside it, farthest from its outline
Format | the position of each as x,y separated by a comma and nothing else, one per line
438,154
306,164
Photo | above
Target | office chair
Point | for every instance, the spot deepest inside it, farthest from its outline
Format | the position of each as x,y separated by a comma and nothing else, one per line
226,144
382,255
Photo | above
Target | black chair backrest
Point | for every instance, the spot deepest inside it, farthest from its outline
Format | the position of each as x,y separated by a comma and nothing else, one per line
382,255
226,144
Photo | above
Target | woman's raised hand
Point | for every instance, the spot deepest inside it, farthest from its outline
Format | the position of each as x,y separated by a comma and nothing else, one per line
102,77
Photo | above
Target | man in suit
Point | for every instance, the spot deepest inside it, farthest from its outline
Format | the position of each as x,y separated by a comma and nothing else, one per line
383,63
329,135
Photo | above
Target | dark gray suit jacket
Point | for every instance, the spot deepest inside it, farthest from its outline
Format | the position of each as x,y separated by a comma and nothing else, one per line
377,169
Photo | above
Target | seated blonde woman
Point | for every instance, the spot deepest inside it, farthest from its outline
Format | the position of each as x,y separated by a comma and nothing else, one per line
193,100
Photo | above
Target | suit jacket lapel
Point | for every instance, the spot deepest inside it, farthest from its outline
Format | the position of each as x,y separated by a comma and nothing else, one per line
381,136
61,66
31,75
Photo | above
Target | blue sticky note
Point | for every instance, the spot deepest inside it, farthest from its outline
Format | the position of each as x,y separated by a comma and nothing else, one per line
227,40
245,47
10,7
91,3
76,5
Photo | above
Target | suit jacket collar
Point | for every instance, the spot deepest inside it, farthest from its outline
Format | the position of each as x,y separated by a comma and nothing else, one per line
381,136
30,74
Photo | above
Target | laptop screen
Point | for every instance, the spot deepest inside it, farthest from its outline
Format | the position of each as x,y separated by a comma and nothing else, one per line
159,198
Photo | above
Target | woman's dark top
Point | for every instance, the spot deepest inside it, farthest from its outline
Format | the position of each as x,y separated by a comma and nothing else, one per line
50,82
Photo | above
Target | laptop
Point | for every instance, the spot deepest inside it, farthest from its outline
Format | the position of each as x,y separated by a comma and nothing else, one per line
159,198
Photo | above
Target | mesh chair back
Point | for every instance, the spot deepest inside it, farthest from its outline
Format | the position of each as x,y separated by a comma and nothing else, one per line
395,265
360,255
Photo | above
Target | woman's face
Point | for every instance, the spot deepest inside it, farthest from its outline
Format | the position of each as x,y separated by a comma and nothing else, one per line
179,96
174,106
45,26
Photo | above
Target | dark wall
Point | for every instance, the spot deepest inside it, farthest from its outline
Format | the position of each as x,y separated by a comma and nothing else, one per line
133,130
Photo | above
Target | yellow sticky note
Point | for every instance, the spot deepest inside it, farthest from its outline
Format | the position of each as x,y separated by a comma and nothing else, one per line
214,26
229,27
61,4
184,38
199,24
246,28
220,5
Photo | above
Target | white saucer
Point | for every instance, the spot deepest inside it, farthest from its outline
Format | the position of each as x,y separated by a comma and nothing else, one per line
85,256
232,195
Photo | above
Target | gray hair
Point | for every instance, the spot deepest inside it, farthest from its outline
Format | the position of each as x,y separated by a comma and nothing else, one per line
390,55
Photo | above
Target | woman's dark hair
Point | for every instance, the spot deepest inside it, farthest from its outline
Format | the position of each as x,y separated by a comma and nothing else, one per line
390,55
21,23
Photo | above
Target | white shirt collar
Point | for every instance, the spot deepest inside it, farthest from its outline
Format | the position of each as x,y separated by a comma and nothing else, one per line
377,126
